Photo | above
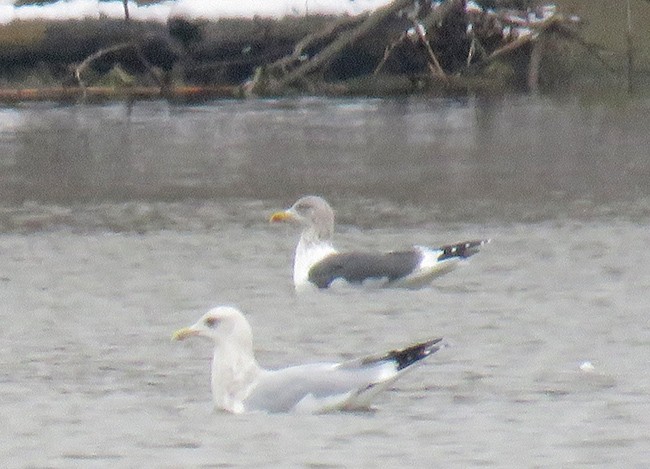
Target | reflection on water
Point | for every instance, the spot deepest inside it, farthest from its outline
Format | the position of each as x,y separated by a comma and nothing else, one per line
494,154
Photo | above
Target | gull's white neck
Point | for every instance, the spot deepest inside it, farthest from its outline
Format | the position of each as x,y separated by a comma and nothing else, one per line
234,372
310,250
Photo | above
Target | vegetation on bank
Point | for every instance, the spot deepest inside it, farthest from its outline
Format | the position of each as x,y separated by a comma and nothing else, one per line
402,48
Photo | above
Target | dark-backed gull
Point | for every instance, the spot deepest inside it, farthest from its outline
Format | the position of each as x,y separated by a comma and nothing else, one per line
318,263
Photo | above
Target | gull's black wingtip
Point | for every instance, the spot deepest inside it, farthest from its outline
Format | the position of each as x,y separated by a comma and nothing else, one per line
463,250
410,355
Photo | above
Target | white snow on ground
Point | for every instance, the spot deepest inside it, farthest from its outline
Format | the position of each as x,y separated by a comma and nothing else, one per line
519,22
204,9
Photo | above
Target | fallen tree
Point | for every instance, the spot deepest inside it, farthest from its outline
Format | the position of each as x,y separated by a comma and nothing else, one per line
449,44
403,47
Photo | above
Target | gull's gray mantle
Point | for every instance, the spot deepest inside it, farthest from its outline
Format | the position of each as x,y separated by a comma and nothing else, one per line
239,384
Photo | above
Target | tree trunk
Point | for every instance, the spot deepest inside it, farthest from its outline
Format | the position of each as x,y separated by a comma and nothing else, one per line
126,10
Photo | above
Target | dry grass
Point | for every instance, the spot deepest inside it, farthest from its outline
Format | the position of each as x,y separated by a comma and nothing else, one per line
22,34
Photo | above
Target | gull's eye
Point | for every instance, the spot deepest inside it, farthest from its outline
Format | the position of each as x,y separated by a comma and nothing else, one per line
303,208
211,322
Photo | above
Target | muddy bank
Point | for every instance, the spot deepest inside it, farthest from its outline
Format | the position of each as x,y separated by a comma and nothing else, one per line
398,49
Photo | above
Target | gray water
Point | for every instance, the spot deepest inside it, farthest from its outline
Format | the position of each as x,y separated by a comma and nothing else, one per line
120,224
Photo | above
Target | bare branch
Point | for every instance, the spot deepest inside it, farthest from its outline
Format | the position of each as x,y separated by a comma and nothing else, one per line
79,69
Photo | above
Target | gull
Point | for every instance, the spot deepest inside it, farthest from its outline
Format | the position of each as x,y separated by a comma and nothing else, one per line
239,384
318,264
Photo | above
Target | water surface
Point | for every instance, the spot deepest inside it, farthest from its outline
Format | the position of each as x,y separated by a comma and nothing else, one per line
120,224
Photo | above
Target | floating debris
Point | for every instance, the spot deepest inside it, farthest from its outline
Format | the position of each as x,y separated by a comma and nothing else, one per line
587,367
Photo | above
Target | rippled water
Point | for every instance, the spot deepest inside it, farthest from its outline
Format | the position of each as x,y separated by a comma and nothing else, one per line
121,224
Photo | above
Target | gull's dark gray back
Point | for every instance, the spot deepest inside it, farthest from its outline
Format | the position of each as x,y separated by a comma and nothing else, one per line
355,267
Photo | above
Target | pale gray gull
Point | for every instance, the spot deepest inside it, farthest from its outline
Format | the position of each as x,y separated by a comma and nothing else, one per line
239,384
318,264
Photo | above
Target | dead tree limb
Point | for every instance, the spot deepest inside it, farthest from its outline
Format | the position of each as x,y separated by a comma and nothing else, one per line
508,48
434,64
421,29
387,52
134,43
556,23
474,48
535,63
630,49
589,47
416,36
433,20
153,71
125,3
341,42
79,69
332,30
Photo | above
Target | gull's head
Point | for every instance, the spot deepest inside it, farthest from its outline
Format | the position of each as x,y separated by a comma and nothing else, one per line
221,324
310,211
